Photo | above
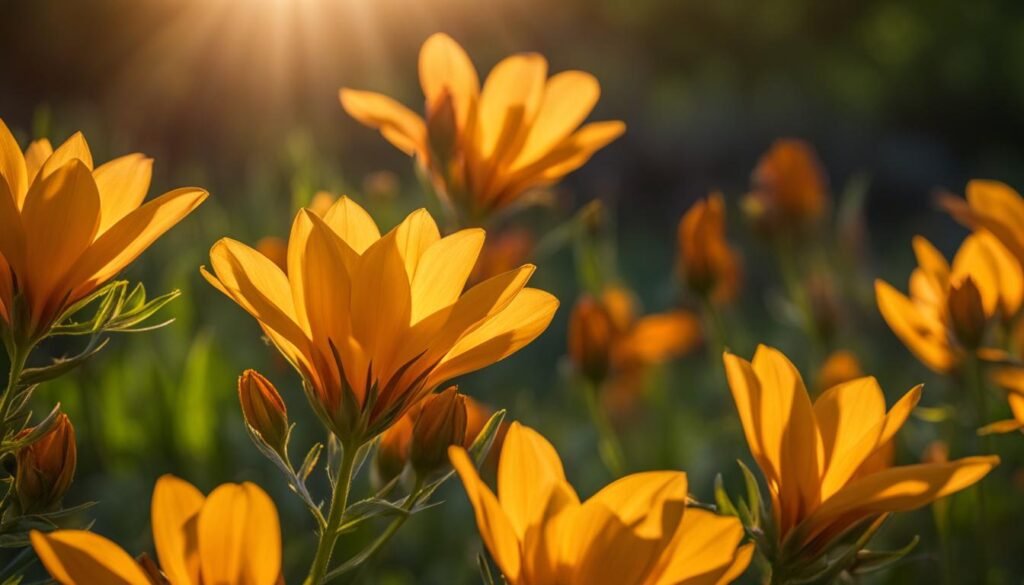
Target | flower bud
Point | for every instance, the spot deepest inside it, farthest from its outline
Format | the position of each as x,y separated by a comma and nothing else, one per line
442,129
393,448
441,424
707,264
967,313
790,186
840,366
591,331
263,409
46,467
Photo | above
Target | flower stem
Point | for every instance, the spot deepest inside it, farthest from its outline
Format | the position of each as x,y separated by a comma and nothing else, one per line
329,535
384,537
19,358
974,374
609,446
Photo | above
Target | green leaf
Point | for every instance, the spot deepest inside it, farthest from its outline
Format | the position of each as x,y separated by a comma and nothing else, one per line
61,366
872,561
725,505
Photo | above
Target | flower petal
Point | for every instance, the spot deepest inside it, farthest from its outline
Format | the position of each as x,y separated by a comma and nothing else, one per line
65,202
444,65
352,224
999,209
703,550
175,513
494,526
528,472
79,557
12,164
397,123
568,99
124,241
123,184
924,338
523,320
74,148
898,489
850,418
239,536
442,271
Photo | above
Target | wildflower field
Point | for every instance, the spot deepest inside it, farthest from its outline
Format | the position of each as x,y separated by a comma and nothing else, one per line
447,292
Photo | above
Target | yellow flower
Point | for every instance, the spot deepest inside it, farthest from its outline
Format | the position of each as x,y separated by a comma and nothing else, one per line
790,188
635,531
485,147
231,536
707,263
66,228
994,207
828,465
940,305
374,323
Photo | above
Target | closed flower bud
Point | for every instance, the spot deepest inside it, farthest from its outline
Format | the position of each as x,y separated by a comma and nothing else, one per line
393,448
707,264
46,468
263,409
789,187
591,332
967,313
442,129
840,366
441,424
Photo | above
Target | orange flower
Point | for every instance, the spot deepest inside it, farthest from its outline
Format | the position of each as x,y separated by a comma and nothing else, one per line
46,468
828,464
606,337
374,323
941,318
840,366
707,264
485,147
789,187
67,228
1011,380
231,536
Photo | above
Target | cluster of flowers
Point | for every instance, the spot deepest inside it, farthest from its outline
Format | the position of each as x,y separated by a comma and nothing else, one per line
375,324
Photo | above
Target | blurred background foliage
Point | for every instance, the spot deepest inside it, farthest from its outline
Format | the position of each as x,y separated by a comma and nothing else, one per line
902,98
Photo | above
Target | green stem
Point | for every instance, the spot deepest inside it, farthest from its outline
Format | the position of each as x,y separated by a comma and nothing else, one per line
329,535
384,537
975,381
609,446
719,333
19,358
797,292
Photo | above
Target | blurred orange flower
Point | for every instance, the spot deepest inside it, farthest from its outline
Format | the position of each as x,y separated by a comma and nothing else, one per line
374,323
950,305
828,465
484,147
66,228
994,207
231,536
635,531
506,250
607,338
708,265
840,366
790,189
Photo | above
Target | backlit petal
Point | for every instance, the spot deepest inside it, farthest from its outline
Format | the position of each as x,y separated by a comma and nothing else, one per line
568,99
352,223
12,163
74,148
79,557
239,537
175,513
397,123
924,338
494,526
122,183
850,418
444,65
528,472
